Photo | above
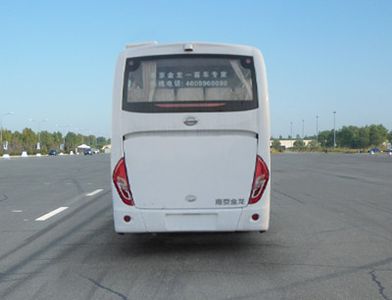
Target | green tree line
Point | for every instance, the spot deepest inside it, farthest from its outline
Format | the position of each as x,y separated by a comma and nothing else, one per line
356,137
352,137
27,140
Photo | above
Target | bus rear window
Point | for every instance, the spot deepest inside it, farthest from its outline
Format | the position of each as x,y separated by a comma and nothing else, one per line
190,83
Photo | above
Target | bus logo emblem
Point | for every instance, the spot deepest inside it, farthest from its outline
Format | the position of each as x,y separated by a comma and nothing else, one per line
190,121
190,198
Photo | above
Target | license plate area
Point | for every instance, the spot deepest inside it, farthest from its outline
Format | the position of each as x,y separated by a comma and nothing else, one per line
191,222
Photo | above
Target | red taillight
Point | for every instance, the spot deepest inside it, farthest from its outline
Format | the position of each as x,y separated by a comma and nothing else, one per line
260,180
120,180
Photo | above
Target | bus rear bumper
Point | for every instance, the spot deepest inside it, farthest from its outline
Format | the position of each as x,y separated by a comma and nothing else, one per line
151,220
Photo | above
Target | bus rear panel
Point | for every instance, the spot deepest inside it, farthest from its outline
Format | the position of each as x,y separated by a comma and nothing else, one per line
190,140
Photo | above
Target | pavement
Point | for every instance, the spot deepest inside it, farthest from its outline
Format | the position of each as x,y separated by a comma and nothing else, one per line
330,236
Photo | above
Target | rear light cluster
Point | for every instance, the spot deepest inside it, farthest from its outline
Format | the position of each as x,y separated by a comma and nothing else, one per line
120,180
260,180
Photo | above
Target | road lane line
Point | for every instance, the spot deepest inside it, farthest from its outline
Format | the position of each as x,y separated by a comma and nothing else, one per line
94,192
17,210
51,214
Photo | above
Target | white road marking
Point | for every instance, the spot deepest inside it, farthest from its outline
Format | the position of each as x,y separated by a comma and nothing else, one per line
94,193
17,210
51,214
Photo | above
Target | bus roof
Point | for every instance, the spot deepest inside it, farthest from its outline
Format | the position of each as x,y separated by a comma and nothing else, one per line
154,48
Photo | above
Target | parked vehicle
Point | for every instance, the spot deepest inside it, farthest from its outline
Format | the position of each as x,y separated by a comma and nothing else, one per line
87,152
52,152
374,150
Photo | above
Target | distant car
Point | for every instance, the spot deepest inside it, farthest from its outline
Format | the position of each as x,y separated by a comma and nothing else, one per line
374,150
88,152
52,152
388,151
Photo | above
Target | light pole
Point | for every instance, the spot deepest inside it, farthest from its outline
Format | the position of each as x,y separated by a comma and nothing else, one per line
291,133
317,131
334,129
303,129
2,116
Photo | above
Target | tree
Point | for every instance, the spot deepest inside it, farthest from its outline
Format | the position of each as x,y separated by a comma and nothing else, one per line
71,141
377,134
7,137
276,145
347,136
101,141
47,141
325,138
16,145
299,144
91,141
29,140
364,140
313,144
57,138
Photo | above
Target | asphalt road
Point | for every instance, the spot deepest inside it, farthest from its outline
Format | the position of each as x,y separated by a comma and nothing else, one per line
330,237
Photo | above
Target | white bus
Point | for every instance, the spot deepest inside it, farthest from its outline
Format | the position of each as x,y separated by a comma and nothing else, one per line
190,140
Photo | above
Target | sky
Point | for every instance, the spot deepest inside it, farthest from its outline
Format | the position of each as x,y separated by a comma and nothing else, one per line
57,58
